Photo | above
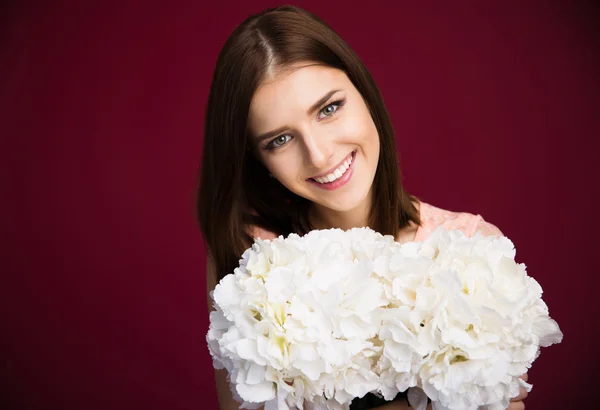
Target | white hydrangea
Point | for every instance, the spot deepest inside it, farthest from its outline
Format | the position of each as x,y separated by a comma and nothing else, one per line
313,322
294,325
472,322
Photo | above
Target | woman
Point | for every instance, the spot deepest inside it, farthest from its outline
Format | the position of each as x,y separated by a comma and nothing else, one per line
297,137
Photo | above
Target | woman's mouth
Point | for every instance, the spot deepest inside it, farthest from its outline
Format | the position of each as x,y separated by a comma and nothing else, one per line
337,177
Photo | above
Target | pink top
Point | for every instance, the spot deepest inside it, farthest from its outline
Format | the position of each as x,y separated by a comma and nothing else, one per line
431,218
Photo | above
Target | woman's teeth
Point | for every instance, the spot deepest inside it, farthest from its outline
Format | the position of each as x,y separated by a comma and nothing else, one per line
335,174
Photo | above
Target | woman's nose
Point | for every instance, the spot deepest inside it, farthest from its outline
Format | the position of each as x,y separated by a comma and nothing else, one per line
317,151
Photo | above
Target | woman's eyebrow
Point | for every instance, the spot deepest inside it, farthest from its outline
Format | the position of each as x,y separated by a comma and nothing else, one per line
321,101
312,109
270,134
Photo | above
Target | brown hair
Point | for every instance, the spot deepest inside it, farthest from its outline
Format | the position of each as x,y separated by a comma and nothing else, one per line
235,190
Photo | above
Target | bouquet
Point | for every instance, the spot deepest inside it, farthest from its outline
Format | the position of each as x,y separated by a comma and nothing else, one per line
313,322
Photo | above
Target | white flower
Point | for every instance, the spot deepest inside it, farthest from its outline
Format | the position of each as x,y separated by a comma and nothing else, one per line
313,322
294,324
480,320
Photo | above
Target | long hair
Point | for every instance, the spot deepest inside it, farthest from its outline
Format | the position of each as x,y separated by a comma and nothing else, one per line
235,190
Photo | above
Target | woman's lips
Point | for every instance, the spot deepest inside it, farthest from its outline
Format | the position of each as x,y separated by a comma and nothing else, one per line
324,174
339,182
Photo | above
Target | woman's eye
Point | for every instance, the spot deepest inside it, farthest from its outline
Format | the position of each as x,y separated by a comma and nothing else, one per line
330,109
279,141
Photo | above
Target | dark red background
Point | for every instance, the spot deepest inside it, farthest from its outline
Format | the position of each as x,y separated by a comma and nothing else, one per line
495,105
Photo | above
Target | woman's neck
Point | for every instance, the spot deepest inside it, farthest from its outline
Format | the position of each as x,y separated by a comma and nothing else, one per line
325,218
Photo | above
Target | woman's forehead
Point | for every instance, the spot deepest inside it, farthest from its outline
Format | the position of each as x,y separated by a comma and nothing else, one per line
294,90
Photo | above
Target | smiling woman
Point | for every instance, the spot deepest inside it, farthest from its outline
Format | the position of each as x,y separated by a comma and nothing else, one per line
295,107
326,148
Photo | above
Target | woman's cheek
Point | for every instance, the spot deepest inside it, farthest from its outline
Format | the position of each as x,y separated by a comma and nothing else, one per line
353,127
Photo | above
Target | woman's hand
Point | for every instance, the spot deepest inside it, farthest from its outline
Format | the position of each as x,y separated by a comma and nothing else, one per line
517,402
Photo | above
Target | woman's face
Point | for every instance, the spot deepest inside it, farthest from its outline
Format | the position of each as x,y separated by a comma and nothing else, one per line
313,132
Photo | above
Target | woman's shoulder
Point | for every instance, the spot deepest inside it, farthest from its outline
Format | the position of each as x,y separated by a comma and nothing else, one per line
433,217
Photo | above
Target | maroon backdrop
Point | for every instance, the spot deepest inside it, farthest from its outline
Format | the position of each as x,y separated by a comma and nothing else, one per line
495,108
